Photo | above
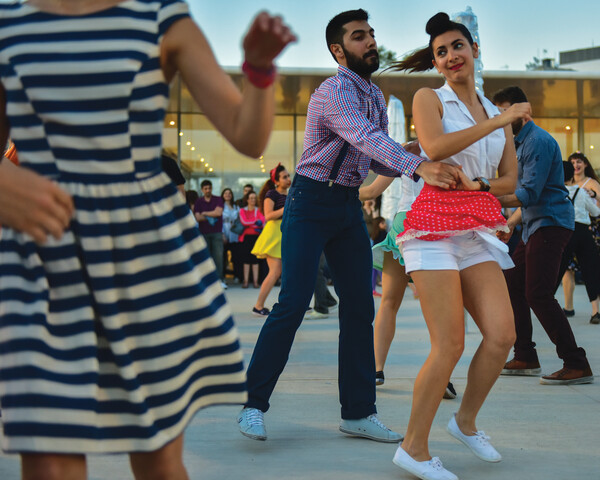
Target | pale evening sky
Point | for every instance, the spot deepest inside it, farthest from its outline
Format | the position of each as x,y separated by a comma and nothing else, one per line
512,32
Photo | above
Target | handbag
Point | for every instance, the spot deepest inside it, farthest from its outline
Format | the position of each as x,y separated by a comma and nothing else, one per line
237,227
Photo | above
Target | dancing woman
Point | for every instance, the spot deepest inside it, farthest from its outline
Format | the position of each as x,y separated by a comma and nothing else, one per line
449,246
114,329
271,200
582,187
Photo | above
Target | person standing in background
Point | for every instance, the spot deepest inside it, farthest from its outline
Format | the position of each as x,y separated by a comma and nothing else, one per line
253,221
208,211
231,242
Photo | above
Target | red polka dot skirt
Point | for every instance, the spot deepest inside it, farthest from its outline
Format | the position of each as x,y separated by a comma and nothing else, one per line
437,213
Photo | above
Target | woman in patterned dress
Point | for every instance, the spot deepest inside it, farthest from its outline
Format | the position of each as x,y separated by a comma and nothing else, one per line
449,244
114,329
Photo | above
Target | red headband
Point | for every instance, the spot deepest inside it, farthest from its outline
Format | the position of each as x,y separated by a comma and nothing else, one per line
274,172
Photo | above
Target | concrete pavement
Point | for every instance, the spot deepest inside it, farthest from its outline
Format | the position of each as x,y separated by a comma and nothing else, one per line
542,432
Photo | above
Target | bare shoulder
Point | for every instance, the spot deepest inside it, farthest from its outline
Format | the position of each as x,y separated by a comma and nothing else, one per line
426,98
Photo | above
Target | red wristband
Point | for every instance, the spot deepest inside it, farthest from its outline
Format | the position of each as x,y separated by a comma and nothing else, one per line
259,77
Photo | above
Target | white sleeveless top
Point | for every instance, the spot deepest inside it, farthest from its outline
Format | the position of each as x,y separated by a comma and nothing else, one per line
584,204
481,159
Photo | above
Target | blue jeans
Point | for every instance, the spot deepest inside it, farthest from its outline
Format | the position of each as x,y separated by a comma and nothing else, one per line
214,243
320,218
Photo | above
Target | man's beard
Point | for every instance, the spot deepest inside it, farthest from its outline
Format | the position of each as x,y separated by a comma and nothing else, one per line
363,66
516,126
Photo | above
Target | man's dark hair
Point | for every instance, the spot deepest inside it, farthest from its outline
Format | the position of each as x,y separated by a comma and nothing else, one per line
568,170
334,33
511,95
205,183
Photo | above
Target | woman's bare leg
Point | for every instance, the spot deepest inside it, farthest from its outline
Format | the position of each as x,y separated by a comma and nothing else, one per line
441,301
53,466
163,464
486,298
255,275
393,286
269,281
568,283
246,274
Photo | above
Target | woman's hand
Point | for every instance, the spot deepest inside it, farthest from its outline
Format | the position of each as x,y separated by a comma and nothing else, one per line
465,183
505,236
265,40
33,204
517,111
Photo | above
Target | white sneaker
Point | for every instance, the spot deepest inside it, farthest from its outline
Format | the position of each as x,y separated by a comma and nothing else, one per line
370,427
224,285
314,315
478,443
252,424
427,470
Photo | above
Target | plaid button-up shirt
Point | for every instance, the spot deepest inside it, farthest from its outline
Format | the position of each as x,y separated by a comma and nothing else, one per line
346,107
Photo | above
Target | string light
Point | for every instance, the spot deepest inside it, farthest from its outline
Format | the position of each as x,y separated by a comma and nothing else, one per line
171,122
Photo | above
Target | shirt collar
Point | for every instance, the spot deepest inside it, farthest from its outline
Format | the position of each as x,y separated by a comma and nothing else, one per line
525,131
449,95
360,82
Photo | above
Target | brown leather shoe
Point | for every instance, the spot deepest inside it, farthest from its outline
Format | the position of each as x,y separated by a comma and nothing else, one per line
568,376
519,367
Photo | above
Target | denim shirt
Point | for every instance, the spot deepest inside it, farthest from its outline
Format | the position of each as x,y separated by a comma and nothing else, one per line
541,184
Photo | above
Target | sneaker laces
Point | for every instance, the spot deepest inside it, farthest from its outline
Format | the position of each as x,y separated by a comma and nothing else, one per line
481,437
436,464
254,416
373,419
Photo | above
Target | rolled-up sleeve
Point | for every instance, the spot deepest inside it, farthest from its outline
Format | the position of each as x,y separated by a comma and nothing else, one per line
536,169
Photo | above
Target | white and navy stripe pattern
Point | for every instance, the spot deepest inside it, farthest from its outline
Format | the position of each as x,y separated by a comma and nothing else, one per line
113,337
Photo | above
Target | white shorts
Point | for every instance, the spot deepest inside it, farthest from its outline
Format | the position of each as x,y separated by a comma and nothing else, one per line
453,253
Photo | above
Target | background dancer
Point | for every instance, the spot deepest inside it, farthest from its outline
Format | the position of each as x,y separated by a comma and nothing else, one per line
114,329
394,278
448,244
582,181
548,221
271,200
346,134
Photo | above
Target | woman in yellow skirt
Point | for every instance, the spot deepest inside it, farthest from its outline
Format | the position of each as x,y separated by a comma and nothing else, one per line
271,200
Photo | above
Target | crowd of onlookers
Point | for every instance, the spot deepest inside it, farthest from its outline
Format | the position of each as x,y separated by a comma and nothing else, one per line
230,228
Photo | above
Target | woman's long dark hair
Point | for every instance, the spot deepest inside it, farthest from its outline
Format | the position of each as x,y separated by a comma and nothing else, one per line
269,185
589,170
232,197
421,60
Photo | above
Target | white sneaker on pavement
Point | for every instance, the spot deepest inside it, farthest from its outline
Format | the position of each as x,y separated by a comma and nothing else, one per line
314,315
371,428
252,423
479,443
427,470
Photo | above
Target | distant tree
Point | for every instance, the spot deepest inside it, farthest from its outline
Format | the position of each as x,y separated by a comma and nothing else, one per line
535,64
386,57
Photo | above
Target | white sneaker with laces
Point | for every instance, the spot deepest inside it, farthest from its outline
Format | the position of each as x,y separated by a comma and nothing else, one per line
427,470
252,423
479,443
370,427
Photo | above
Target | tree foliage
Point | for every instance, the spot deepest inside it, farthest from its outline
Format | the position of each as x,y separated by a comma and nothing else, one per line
386,57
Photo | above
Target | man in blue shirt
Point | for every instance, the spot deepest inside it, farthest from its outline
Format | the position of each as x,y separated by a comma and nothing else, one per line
548,222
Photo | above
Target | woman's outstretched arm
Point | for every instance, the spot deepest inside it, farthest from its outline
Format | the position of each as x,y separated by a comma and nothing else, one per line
244,118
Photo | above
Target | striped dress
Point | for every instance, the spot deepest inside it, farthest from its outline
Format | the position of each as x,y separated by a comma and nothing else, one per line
114,336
